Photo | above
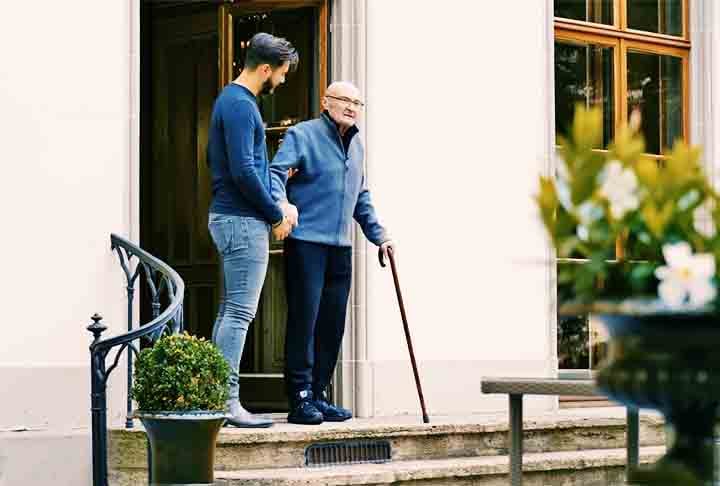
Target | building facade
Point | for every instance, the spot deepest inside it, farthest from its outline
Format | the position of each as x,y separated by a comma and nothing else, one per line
103,109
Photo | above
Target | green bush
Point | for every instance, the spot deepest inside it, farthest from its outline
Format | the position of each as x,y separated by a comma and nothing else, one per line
181,373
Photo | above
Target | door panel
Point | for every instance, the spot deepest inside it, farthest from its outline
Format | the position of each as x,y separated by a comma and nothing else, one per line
175,183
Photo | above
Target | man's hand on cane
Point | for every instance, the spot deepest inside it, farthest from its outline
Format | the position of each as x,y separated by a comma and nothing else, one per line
386,247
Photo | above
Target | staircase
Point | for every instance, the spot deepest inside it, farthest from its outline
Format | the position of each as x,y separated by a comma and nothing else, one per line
571,447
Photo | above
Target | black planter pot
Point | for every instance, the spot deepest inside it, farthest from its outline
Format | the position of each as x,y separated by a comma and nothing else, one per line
668,361
182,446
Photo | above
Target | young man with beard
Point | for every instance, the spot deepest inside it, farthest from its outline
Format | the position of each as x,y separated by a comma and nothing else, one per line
328,188
242,212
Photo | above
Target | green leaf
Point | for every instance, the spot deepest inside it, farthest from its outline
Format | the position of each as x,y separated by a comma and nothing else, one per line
657,220
587,127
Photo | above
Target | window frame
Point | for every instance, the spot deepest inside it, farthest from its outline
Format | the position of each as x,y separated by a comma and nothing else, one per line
622,39
620,27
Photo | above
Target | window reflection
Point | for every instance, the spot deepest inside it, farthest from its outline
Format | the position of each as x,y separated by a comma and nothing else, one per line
655,88
660,16
583,74
598,342
573,343
597,11
297,99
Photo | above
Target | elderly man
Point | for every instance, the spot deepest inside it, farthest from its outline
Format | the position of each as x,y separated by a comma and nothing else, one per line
325,156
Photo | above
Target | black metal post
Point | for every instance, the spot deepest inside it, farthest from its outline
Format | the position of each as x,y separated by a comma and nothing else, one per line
633,440
149,460
128,415
98,400
515,434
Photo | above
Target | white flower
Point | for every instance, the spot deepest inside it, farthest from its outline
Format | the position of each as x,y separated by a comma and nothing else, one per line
703,221
589,212
686,276
562,170
619,186
563,193
583,233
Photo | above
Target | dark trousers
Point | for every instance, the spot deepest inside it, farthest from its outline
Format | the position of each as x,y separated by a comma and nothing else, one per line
317,280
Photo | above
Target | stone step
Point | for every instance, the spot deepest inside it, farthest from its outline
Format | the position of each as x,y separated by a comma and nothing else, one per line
283,445
598,467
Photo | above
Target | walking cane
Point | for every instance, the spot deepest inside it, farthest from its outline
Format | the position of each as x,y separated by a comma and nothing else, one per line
407,329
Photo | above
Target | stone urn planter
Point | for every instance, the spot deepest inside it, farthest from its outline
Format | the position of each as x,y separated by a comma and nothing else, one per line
180,386
182,445
667,360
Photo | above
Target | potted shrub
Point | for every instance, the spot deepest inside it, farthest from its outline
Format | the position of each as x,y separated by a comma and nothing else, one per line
180,388
646,231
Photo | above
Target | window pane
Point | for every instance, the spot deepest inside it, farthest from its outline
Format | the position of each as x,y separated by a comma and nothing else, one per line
655,88
583,74
597,11
573,331
573,343
661,16
598,343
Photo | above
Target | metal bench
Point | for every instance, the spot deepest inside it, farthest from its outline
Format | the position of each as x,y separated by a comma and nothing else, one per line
515,388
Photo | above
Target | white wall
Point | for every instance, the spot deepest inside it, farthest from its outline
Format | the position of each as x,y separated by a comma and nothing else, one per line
458,124
713,99
65,124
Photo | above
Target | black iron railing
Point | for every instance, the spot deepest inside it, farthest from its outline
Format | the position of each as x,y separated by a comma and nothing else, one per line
165,287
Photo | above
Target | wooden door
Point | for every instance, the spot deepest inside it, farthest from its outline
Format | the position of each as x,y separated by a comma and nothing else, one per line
179,82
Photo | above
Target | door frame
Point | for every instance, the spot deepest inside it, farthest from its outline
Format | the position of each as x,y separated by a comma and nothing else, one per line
346,50
225,30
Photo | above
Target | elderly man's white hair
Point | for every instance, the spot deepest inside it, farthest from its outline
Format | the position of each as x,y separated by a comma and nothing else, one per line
342,87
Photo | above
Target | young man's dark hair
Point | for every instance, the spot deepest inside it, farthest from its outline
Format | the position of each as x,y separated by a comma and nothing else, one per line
268,49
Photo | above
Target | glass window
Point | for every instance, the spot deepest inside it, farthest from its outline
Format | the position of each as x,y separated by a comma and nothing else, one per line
660,16
588,60
655,88
583,74
597,11
573,342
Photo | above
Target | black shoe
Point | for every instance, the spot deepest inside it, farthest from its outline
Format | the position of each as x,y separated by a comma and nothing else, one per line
330,412
303,410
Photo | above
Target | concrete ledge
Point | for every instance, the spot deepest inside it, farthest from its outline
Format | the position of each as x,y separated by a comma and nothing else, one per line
413,426
540,468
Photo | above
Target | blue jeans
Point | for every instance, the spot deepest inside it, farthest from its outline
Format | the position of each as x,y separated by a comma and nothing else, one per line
243,244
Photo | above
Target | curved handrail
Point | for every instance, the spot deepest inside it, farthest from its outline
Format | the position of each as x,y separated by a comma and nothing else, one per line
173,311
160,278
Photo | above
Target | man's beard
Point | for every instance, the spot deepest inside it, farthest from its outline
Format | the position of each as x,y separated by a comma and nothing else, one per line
267,87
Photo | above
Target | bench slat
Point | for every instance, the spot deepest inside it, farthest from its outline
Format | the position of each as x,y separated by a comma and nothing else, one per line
539,386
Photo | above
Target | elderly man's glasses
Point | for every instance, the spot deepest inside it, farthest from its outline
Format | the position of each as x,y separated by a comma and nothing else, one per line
347,101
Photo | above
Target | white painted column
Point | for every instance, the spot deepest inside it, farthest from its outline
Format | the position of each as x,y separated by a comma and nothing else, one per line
348,63
704,79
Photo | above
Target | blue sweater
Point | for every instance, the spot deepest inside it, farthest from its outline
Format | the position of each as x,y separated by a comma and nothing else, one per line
329,188
237,156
